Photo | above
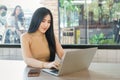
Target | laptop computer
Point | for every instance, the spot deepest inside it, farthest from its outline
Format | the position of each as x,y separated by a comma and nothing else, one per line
74,61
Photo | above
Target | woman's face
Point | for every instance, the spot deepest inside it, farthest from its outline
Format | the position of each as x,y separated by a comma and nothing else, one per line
45,24
17,11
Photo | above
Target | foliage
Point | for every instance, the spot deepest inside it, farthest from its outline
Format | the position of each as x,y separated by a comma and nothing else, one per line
106,9
100,39
69,7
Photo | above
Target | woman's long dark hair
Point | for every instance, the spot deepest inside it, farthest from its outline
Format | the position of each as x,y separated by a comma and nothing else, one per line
36,20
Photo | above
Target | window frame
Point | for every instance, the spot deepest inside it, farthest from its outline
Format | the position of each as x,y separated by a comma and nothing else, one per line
69,46
66,46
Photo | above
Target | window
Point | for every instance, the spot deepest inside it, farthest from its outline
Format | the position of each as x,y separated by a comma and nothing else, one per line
89,22
11,27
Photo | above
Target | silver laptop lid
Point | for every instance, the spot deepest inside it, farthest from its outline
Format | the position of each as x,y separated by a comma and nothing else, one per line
76,60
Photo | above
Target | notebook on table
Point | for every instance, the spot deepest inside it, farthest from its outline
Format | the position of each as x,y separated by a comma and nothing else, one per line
74,61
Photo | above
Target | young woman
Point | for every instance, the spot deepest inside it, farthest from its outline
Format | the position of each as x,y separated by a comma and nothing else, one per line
39,45
17,17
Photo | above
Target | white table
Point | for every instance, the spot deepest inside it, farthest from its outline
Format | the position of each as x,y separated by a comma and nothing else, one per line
17,70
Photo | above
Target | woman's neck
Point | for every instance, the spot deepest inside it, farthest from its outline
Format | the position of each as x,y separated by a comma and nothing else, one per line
38,33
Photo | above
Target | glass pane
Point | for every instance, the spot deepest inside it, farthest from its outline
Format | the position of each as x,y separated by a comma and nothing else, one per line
89,22
15,16
104,22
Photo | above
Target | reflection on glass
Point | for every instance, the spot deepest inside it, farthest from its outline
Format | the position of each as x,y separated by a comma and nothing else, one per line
15,17
3,21
90,21
16,26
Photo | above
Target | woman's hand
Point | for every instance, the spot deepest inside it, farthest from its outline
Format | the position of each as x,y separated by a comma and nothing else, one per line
54,64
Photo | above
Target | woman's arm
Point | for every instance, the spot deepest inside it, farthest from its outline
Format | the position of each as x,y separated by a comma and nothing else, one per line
26,53
59,48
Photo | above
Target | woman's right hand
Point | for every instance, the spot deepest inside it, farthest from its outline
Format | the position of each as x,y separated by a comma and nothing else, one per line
53,64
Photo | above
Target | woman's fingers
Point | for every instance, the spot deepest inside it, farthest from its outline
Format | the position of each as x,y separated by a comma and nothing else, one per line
56,64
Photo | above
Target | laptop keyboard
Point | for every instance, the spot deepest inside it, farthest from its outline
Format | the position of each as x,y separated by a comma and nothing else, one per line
54,70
